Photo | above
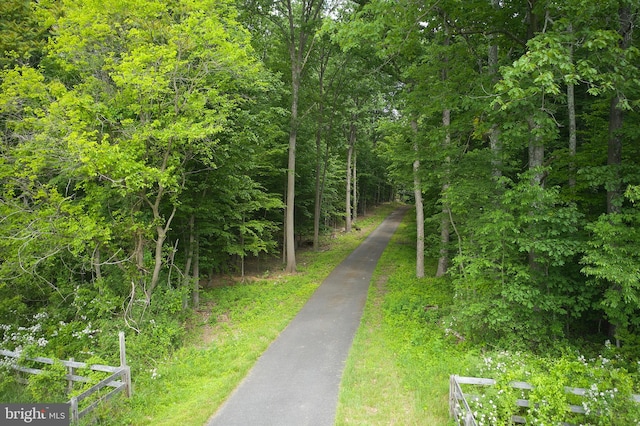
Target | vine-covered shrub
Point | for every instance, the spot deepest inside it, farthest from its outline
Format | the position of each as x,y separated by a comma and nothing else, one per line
50,385
607,399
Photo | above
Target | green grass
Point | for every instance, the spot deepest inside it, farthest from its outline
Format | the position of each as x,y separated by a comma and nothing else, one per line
242,320
371,376
399,365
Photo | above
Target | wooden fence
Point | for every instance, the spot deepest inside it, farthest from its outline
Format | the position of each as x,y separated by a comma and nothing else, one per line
462,413
119,379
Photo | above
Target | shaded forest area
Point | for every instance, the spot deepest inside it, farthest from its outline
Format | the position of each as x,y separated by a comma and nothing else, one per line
148,145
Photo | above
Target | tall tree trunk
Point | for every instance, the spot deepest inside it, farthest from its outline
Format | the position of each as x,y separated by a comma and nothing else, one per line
571,107
417,190
495,144
196,275
347,214
299,39
536,154
284,226
242,255
536,160
614,149
96,263
616,120
189,261
317,210
161,236
445,233
573,138
321,161
190,250
443,260
291,172
354,184
614,156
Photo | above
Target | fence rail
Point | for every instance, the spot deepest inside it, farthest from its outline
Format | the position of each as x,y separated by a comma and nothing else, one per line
462,413
119,379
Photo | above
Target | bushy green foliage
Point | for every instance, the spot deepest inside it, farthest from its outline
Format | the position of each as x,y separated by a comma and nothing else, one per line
607,400
612,260
10,389
512,268
50,385
102,138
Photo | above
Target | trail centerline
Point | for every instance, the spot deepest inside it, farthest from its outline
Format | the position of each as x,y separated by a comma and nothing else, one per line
296,380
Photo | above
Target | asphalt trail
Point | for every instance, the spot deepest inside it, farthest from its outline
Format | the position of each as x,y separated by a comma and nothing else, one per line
296,380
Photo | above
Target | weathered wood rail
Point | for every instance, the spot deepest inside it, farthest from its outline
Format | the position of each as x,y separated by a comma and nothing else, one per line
459,405
119,379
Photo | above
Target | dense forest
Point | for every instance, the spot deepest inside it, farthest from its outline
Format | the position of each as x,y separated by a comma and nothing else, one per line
147,146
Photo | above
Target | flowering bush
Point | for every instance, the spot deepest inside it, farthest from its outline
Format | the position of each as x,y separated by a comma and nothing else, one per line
606,400
48,334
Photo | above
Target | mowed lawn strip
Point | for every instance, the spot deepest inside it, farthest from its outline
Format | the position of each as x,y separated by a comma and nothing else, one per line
398,368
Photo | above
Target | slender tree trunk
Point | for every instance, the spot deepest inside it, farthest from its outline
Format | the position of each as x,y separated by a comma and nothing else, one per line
347,214
284,228
196,275
536,157
320,159
317,211
445,234
573,138
242,255
443,260
614,149
417,190
494,133
536,160
614,155
157,265
325,166
291,173
189,261
299,39
96,263
354,185
616,120
571,107
190,250
138,253
161,236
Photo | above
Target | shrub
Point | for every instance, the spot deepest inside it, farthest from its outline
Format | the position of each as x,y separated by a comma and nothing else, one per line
607,400
50,385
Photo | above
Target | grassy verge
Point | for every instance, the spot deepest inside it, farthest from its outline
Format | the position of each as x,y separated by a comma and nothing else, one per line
241,322
399,365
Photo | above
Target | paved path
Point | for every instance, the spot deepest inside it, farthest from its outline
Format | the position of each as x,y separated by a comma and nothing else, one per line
296,380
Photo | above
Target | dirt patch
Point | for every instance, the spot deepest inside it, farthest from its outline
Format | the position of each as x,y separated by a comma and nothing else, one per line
199,326
381,285
381,282
207,335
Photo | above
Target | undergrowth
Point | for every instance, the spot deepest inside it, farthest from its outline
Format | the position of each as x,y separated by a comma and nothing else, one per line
408,346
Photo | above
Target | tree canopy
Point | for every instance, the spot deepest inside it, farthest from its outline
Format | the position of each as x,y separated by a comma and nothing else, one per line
147,145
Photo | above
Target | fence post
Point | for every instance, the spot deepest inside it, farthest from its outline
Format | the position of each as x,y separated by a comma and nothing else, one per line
123,364
71,373
469,420
74,409
452,397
